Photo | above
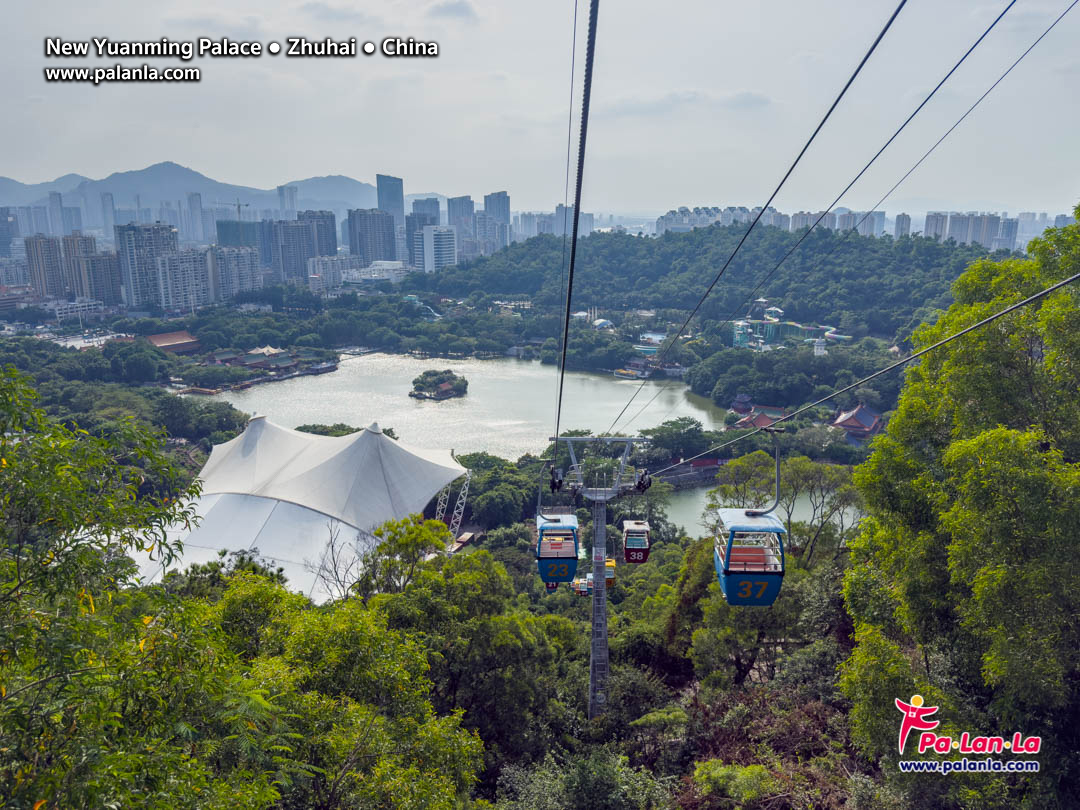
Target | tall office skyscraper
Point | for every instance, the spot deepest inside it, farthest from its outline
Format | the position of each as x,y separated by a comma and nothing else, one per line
287,200
391,197
371,235
497,206
195,216
46,265
903,225
32,219
293,243
138,248
77,246
325,224
56,213
460,214
429,206
392,200
439,247
1063,220
414,224
108,213
936,225
9,230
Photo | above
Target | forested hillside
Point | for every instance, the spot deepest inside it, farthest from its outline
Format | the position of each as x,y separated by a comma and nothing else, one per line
940,567
859,284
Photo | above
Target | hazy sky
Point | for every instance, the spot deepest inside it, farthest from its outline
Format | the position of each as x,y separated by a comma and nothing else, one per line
696,102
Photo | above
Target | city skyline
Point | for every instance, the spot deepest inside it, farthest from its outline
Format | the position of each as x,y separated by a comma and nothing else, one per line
47,200
662,135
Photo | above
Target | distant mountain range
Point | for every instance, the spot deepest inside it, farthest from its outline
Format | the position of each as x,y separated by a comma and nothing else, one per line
172,182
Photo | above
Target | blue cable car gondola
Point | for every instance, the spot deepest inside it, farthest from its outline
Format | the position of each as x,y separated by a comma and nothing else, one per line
556,547
748,554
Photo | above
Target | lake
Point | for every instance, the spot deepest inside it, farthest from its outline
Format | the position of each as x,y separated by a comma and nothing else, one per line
509,410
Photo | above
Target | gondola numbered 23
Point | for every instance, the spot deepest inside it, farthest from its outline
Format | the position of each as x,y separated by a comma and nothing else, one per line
556,547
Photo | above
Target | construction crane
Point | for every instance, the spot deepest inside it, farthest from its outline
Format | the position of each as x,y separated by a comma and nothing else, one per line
239,205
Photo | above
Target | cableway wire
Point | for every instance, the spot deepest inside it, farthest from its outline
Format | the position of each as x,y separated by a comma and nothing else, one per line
566,184
906,174
768,202
590,50
562,260
857,177
990,319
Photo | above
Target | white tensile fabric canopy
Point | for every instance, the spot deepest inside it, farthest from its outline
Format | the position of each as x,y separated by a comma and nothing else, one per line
286,493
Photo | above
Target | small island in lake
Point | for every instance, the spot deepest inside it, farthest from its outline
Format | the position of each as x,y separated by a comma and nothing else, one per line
439,385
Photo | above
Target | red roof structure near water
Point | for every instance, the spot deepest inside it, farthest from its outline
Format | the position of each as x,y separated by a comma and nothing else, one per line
180,342
861,422
755,419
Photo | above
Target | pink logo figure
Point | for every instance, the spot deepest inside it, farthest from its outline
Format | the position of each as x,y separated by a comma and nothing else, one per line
915,715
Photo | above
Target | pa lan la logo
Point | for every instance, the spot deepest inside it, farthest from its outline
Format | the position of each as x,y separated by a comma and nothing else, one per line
916,717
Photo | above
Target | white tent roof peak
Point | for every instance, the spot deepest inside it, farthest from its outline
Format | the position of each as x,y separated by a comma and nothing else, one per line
374,427
361,479
284,492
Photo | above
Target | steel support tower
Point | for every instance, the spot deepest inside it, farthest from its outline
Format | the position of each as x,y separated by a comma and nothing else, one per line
600,497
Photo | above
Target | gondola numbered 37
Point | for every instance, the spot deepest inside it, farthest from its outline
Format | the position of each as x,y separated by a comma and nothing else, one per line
748,555
556,547
636,540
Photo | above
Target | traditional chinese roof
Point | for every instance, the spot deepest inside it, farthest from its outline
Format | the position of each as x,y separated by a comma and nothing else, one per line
755,419
861,419
182,341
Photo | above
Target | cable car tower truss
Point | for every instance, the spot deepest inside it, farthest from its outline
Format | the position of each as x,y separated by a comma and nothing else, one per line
599,497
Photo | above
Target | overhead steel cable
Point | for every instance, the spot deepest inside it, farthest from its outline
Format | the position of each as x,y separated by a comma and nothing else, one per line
989,319
905,176
562,259
768,202
590,51
566,183
861,172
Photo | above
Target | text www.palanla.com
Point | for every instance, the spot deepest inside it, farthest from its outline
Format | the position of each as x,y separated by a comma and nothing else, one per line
122,73
965,765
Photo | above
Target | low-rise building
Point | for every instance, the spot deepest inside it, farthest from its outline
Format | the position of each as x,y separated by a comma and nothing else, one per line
181,342
860,423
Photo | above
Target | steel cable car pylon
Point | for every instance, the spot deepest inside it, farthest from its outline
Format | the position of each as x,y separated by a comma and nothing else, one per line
600,496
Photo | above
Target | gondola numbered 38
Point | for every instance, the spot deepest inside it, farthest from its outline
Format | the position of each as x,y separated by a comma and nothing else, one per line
636,541
556,547
748,555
